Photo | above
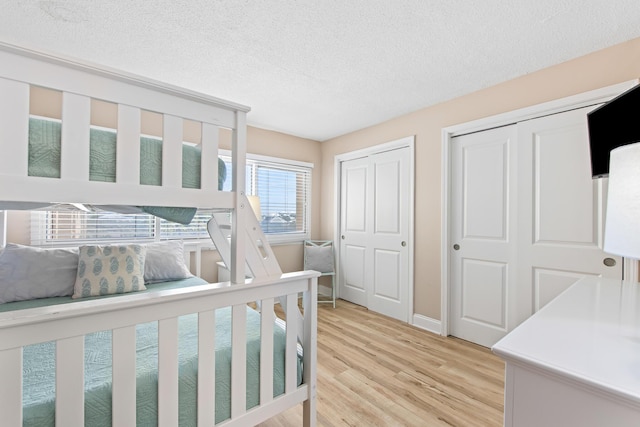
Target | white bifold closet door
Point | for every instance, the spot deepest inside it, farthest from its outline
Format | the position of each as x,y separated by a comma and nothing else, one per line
527,222
374,232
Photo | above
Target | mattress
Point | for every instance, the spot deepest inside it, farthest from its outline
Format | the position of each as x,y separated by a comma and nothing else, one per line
39,364
44,161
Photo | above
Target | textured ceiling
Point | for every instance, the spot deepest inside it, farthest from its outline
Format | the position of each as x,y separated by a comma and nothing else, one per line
322,68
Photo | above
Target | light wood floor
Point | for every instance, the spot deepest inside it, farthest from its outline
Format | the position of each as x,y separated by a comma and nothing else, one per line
376,371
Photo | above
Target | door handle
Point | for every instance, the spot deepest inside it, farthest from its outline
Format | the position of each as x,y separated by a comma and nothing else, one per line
342,237
456,247
403,243
609,262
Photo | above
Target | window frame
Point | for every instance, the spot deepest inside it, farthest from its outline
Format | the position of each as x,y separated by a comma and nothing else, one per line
300,166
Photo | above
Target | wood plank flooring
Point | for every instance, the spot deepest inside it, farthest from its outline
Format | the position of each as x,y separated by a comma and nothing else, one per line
376,371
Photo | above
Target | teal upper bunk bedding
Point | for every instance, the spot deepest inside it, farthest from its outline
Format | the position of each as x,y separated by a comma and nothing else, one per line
44,161
39,368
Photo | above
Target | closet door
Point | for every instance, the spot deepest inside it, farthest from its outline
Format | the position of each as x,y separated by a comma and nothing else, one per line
354,232
560,212
483,235
389,235
527,222
374,244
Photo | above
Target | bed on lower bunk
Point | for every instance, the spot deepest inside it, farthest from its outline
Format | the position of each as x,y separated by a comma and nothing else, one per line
124,334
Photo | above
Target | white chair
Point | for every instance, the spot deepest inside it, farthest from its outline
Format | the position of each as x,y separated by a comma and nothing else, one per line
319,256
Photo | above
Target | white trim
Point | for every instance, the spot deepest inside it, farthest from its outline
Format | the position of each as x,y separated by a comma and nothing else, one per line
276,160
574,102
630,268
118,75
427,323
408,142
593,97
3,229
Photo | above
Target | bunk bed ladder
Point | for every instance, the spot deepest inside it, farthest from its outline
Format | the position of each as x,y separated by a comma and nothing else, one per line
261,261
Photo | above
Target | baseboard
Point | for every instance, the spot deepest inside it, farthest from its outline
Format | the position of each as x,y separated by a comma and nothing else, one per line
324,291
427,323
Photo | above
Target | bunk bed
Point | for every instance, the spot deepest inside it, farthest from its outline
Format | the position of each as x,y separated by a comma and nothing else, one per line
231,364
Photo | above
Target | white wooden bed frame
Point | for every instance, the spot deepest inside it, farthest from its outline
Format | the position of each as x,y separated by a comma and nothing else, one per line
68,324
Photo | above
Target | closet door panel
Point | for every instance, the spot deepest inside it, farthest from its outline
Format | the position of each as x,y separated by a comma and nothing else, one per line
548,284
560,211
390,233
483,235
564,195
354,232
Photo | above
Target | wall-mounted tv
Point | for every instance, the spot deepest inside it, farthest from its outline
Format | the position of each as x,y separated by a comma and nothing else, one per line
611,125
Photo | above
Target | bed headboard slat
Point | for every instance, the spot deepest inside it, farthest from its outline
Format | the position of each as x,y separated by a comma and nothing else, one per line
206,367
76,114
172,151
70,382
11,386
168,372
14,127
128,145
209,152
124,376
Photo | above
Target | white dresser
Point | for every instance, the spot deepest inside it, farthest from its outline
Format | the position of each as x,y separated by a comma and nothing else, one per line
576,362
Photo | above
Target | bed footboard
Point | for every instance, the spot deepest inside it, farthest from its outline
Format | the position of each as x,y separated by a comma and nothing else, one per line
68,325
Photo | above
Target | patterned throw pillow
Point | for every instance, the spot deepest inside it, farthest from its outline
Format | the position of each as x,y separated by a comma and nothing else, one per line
106,270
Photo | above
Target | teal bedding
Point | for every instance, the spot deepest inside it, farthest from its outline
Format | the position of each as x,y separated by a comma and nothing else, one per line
44,161
39,363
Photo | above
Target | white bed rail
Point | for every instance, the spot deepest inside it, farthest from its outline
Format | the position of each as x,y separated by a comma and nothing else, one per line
79,83
67,325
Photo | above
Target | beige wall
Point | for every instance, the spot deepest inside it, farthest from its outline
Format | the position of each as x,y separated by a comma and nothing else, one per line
613,65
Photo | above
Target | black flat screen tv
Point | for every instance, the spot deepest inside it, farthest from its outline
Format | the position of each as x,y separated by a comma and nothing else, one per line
612,125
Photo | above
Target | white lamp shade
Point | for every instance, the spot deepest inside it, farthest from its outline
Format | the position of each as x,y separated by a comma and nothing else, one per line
622,228
254,201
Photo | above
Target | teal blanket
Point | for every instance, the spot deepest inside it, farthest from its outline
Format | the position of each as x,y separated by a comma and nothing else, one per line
44,161
39,373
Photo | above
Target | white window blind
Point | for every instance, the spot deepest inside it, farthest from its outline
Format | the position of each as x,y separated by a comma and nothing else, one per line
284,193
283,187
197,229
64,226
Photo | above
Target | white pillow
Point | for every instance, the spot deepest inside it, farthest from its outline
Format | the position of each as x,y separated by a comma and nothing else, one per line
28,273
106,270
165,261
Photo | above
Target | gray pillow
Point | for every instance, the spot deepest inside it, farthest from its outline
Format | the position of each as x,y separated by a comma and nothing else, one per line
319,258
28,273
165,261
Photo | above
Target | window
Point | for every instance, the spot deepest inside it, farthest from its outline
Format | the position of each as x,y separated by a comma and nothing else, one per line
283,188
284,191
